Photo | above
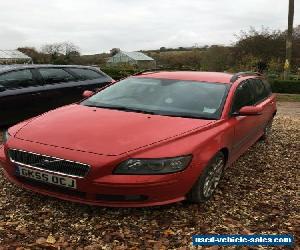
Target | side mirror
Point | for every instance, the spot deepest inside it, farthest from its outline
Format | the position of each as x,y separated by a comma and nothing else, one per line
250,110
2,88
87,93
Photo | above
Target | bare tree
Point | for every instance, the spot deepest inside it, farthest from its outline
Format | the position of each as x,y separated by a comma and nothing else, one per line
65,48
54,49
289,39
61,53
70,48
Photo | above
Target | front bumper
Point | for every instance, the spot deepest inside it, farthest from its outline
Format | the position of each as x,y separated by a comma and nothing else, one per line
107,189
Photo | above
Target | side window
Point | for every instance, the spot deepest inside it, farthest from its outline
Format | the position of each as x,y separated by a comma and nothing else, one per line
267,87
86,74
55,75
17,79
259,90
243,97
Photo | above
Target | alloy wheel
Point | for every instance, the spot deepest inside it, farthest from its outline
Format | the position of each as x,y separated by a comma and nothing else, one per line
213,177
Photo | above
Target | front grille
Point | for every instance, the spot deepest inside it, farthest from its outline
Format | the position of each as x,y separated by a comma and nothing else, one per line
49,163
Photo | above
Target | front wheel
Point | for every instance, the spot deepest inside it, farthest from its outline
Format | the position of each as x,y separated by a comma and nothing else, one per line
208,181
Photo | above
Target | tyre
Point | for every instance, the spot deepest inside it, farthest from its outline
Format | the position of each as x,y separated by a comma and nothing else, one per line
267,131
208,181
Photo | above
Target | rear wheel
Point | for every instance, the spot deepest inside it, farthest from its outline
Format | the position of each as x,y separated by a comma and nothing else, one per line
267,131
208,181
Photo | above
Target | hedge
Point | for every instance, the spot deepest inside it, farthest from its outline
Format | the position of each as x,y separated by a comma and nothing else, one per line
285,86
117,73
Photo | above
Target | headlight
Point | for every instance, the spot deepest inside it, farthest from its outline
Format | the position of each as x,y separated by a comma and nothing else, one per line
5,136
153,166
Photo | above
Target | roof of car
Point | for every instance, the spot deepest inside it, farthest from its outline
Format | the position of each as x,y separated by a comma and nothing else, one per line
189,76
4,68
213,77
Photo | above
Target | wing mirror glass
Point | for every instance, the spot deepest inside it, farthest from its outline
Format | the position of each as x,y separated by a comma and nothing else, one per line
87,93
250,110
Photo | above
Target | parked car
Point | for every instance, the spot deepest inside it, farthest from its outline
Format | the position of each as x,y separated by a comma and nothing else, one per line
151,139
29,90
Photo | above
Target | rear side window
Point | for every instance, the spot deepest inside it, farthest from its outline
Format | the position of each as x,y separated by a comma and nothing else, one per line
243,97
55,75
267,87
17,79
258,89
86,74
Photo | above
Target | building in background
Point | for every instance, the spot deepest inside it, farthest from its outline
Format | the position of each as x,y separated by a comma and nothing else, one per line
14,57
136,59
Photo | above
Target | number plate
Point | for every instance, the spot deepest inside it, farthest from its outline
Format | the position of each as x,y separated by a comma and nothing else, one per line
46,177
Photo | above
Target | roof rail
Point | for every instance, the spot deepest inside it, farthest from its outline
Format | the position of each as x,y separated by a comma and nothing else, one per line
162,69
240,74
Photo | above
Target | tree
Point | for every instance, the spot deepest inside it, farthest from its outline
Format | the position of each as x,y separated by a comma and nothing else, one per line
71,52
217,58
178,59
263,44
289,39
70,49
36,56
61,53
54,50
114,51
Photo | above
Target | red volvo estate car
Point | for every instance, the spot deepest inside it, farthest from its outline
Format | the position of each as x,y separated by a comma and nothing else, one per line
151,139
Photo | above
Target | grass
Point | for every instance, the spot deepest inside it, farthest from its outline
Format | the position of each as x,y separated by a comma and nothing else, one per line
288,97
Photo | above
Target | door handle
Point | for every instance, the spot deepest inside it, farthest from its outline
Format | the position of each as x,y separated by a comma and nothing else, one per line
38,93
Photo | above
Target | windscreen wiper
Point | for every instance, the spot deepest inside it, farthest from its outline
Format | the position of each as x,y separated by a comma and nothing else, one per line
122,108
187,116
132,110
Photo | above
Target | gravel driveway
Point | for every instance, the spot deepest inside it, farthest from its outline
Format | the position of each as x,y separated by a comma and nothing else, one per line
289,109
257,195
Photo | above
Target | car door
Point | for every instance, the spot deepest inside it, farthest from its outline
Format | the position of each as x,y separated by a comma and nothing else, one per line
245,127
264,100
60,85
90,79
66,86
20,98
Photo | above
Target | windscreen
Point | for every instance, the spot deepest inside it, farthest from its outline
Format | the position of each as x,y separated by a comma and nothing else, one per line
163,97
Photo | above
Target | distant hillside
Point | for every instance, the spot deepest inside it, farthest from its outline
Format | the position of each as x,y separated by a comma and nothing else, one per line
178,49
97,59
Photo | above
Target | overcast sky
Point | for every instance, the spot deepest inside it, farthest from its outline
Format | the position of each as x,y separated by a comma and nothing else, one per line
99,25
